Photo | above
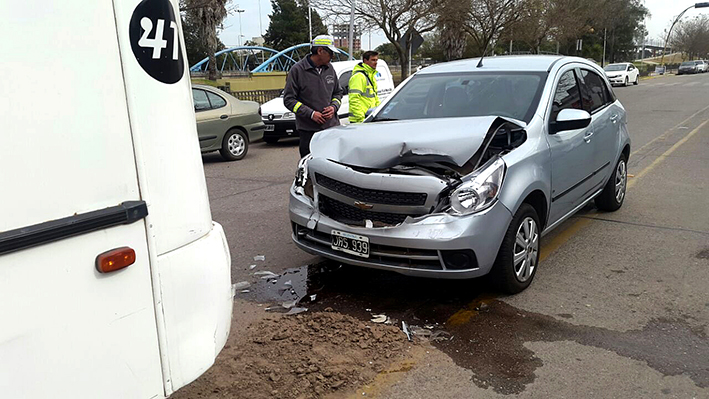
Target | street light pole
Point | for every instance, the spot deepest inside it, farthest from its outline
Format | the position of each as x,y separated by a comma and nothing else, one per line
664,49
241,58
351,37
310,23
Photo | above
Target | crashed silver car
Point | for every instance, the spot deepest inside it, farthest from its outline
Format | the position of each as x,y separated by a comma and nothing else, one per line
463,168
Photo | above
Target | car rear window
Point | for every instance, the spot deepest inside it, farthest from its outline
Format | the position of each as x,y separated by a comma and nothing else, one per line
508,94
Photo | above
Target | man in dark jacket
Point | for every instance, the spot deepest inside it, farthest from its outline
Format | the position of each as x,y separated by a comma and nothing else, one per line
313,92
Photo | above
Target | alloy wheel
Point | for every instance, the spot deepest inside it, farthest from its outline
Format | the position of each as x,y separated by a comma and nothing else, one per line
236,144
620,181
526,249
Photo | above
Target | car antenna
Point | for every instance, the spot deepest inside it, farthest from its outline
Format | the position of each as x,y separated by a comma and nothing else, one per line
480,63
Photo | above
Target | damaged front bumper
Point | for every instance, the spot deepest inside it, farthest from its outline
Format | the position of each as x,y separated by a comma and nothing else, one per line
437,245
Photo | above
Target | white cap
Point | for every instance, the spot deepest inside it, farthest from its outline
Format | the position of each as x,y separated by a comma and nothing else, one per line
325,41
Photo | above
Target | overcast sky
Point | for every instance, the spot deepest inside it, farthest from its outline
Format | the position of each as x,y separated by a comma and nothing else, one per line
662,13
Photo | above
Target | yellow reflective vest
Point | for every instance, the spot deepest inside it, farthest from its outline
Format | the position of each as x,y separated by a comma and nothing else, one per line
362,91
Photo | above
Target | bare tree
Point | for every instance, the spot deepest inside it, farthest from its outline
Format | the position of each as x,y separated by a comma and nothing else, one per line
398,19
485,19
545,20
692,37
208,15
452,15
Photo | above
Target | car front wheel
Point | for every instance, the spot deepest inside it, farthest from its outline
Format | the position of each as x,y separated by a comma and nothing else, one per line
637,80
626,81
235,145
613,194
517,260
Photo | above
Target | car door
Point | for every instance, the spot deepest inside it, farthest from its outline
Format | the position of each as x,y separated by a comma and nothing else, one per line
571,151
212,116
605,119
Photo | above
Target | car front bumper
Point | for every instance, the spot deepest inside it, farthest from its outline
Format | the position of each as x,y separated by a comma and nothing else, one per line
618,80
417,247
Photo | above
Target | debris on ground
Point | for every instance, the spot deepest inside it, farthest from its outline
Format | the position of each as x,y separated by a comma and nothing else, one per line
289,304
312,297
379,318
252,267
309,355
242,285
296,311
260,257
405,329
266,274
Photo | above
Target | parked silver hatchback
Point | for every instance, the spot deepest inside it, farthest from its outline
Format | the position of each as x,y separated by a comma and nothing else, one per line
463,168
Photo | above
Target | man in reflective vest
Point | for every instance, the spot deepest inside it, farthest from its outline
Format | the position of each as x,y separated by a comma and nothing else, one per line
363,87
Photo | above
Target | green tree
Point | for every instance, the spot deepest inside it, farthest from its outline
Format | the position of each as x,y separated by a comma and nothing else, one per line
195,43
289,24
388,53
205,17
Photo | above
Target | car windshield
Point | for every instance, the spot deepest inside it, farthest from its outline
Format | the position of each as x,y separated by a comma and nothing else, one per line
687,63
614,67
698,62
509,94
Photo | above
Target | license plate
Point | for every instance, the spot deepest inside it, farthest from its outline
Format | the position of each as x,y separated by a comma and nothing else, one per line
270,128
352,244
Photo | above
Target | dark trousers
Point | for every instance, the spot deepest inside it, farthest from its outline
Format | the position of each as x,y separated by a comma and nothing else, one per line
305,137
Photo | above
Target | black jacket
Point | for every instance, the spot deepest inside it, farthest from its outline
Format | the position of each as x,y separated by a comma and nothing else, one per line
307,91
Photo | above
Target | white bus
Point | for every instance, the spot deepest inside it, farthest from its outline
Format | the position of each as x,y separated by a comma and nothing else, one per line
114,280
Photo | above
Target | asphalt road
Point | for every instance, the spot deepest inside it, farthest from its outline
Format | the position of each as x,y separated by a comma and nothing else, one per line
619,306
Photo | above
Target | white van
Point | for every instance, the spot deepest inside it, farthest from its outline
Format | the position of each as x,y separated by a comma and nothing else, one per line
280,122
114,281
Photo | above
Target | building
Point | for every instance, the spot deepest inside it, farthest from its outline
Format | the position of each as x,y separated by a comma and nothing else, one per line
341,34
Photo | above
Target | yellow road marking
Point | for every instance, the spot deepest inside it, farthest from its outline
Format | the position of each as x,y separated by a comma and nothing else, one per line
670,130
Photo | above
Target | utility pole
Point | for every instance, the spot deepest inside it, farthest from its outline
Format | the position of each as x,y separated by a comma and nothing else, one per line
603,62
241,57
260,25
351,37
310,23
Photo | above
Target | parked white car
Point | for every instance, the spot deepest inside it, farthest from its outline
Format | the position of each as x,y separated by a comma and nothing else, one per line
622,73
280,122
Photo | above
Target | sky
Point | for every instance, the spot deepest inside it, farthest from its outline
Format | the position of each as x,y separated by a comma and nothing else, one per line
662,13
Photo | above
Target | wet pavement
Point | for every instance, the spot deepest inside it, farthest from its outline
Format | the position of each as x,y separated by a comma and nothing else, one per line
473,326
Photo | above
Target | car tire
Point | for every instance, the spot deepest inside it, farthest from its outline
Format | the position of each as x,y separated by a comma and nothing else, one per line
626,81
637,80
235,145
613,194
271,140
516,264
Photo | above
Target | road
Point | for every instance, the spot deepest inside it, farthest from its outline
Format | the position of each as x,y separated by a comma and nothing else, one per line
619,306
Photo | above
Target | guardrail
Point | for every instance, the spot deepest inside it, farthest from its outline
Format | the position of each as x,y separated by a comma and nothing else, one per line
260,96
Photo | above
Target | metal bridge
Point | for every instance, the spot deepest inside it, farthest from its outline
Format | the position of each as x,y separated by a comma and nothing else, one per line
253,59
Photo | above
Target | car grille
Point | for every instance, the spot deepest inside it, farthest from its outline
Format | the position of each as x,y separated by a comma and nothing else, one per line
348,214
368,195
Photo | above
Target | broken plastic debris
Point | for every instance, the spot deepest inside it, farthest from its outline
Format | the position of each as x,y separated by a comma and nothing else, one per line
260,257
252,267
312,297
405,330
288,283
242,285
368,224
245,291
296,311
266,274
288,304
379,318
368,310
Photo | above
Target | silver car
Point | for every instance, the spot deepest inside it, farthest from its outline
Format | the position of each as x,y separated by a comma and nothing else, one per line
463,168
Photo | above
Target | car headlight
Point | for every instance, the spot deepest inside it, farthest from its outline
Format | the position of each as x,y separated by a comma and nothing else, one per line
289,115
301,174
479,190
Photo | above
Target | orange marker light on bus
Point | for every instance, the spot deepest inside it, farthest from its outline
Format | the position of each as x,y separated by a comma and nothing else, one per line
115,259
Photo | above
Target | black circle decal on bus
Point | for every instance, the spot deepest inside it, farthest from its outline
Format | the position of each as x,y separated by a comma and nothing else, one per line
155,40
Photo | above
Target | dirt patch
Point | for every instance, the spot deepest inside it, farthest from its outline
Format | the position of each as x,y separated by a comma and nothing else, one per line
310,355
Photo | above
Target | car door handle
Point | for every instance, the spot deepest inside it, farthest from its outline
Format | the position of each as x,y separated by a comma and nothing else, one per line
614,118
223,116
587,137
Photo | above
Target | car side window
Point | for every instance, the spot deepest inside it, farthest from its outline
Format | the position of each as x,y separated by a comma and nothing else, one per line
201,102
345,79
217,101
595,92
567,94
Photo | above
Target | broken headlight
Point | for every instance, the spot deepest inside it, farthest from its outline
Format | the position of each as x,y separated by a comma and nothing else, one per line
301,174
480,189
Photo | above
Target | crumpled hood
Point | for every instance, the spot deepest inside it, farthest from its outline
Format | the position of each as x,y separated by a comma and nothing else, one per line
382,145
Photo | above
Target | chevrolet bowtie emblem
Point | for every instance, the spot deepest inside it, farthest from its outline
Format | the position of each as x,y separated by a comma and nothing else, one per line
363,205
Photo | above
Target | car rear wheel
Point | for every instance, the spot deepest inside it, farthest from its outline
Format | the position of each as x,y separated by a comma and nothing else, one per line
271,140
613,194
235,145
517,260
637,80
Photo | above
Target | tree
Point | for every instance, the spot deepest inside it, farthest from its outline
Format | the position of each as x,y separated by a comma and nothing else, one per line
195,42
204,17
289,24
692,37
388,53
398,19
486,19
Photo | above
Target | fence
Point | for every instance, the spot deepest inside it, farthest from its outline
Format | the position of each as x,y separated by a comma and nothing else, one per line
260,96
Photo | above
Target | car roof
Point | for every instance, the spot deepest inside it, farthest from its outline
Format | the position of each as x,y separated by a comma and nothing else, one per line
350,64
532,63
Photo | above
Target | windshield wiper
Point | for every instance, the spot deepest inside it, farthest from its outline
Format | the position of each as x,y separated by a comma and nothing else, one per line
384,119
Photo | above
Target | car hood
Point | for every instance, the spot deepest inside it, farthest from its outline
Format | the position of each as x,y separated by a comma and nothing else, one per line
616,74
274,106
382,145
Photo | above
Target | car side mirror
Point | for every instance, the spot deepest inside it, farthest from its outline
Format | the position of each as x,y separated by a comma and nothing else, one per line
570,119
